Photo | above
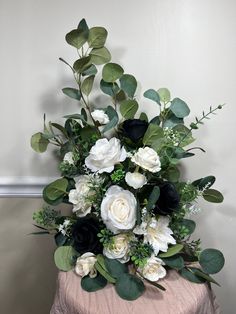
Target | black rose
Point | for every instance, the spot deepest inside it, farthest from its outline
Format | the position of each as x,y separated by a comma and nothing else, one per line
134,129
84,234
168,200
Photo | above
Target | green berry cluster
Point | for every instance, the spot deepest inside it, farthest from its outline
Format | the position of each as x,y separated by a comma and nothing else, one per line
118,175
67,169
105,236
140,252
46,216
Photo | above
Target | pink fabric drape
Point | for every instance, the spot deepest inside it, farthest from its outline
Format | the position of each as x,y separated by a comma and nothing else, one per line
180,297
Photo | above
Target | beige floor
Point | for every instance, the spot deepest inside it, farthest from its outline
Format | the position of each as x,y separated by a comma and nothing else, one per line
27,271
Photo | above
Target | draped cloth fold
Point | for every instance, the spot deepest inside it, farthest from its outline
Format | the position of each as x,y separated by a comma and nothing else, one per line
180,297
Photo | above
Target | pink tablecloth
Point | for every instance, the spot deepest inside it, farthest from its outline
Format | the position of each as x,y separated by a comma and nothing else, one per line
180,297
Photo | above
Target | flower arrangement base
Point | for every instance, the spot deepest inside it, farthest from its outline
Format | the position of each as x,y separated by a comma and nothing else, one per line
180,297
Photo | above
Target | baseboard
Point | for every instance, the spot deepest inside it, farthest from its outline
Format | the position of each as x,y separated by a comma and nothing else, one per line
30,187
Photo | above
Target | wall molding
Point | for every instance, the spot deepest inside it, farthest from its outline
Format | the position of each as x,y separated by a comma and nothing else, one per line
30,187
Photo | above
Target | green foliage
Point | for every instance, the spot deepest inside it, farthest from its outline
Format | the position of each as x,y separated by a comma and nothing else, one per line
113,119
153,95
64,258
172,250
143,116
100,55
93,284
46,216
72,93
106,237
212,196
115,268
211,261
128,84
204,183
67,169
39,143
87,85
82,64
140,252
112,72
101,268
172,173
164,94
97,37
189,274
179,108
118,175
110,89
54,192
153,198
129,287
153,134
128,108
175,262
184,135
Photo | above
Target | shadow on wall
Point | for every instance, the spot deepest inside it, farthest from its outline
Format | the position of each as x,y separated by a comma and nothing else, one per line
28,274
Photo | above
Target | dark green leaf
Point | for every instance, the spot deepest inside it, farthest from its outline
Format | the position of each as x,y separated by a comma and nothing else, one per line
112,72
76,38
91,70
153,95
83,27
153,198
54,192
213,196
100,55
104,273
113,117
93,284
109,88
128,108
72,93
176,262
97,37
76,116
39,143
190,275
129,287
153,134
60,239
156,120
60,128
179,108
189,224
211,261
203,183
128,84
172,173
115,268
201,274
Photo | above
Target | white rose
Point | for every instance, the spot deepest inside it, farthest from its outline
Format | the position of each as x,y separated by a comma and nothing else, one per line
158,234
147,159
118,209
100,116
104,155
153,269
85,265
69,158
79,196
119,249
136,180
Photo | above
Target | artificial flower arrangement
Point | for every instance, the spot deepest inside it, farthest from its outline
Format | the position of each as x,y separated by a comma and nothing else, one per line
129,221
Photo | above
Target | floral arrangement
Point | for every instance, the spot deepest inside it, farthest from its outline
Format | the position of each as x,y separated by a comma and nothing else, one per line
130,208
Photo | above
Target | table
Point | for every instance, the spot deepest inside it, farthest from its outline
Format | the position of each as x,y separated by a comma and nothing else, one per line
180,297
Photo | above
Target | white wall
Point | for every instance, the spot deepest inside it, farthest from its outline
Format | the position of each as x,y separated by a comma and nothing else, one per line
186,45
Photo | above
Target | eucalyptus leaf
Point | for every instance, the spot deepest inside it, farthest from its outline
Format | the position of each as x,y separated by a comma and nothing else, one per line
83,27
172,250
72,93
212,196
128,108
64,257
153,134
129,287
104,273
113,119
109,88
153,95
204,183
189,274
97,37
54,192
112,72
143,116
172,173
82,64
76,116
39,143
211,261
175,262
60,128
100,55
156,120
93,284
76,38
128,84
91,70
179,108
201,274
189,224
115,268
87,85
164,94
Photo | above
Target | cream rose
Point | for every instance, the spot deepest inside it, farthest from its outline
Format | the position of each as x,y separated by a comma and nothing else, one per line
104,155
85,265
153,269
79,196
147,159
119,249
118,209
136,180
69,158
100,116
